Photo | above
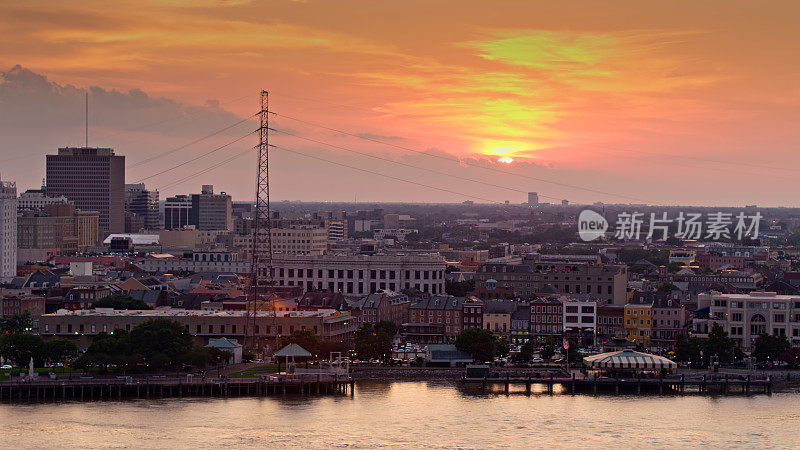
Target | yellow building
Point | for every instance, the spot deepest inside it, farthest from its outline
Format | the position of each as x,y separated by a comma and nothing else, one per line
685,257
638,319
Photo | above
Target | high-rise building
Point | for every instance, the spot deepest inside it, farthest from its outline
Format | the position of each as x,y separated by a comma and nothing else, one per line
8,229
94,180
533,198
144,204
212,211
177,212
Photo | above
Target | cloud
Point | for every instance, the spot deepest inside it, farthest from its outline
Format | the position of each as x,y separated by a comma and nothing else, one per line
378,137
31,102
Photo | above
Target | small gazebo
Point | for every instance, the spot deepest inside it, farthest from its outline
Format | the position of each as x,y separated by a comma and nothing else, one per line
292,351
629,360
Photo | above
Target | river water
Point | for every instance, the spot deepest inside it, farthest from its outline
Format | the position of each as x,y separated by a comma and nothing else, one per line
410,415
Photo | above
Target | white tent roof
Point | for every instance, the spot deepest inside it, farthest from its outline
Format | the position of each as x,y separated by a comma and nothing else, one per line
136,239
628,359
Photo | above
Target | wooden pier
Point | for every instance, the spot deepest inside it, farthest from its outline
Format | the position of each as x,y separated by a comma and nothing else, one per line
86,389
661,385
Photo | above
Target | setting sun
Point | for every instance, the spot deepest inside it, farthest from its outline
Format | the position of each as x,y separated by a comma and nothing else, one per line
505,160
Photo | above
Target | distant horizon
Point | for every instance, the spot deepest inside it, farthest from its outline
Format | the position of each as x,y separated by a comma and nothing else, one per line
680,103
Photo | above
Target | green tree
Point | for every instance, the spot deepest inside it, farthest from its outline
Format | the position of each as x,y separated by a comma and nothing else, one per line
120,302
60,351
304,338
768,347
372,344
667,287
688,349
478,343
548,350
21,347
459,288
674,267
526,351
107,349
18,323
386,326
719,344
163,343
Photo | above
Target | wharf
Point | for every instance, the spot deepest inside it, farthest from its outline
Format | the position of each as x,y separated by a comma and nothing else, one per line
89,389
661,385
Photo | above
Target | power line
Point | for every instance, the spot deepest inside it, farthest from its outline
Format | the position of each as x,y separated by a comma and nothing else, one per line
206,170
168,152
408,165
695,158
385,175
195,158
460,161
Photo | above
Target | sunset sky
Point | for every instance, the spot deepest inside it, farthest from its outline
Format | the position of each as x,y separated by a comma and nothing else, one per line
682,102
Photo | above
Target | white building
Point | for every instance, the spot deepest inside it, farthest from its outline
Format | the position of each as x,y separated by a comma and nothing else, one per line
580,316
398,234
8,229
746,316
36,200
350,275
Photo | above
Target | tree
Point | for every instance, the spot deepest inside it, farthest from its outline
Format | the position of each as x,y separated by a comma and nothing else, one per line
120,302
388,327
768,347
304,338
18,323
688,349
674,267
667,287
719,344
526,351
459,288
60,351
21,347
372,344
478,343
548,350
108,349
162,343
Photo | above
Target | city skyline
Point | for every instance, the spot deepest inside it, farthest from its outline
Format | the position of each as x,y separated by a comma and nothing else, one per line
649,106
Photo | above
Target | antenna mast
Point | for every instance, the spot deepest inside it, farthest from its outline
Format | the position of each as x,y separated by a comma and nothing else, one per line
86,130
262,231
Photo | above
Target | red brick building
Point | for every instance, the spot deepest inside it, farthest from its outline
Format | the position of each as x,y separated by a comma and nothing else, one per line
546,318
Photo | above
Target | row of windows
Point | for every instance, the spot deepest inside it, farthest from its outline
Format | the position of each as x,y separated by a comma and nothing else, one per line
373,274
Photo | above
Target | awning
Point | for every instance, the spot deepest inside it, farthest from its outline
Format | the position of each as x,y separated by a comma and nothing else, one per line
628,359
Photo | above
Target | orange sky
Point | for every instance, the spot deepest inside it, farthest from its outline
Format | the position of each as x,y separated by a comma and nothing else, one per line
667,102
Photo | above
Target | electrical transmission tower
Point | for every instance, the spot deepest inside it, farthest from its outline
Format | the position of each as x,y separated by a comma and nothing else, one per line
261,280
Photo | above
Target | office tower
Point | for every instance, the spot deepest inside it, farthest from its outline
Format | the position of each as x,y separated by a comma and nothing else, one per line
211,211
8,229
533,198
93,179
144,204
177,212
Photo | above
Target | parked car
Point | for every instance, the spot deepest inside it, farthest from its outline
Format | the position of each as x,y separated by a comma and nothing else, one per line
5,366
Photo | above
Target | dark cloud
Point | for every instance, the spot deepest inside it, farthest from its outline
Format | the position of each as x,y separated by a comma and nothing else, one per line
379,137
29,101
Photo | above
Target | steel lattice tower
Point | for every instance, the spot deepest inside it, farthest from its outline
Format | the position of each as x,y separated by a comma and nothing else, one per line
261,269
